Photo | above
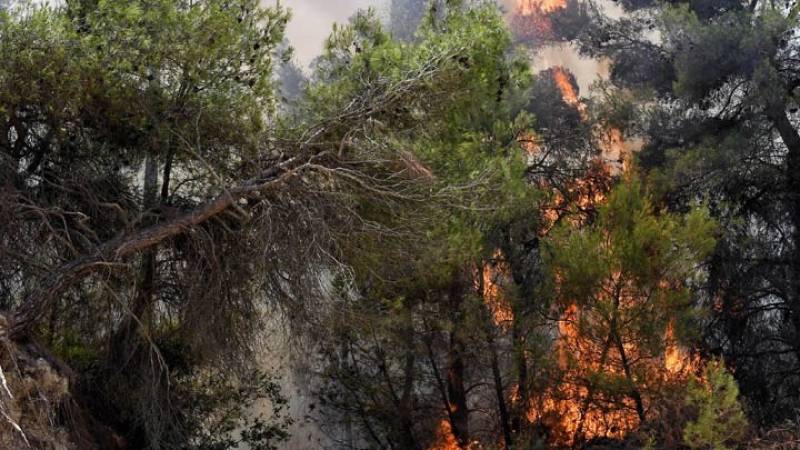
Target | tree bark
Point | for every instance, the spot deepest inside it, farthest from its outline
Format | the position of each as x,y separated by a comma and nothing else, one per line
505,423
456,391
791,139
578,436
123,342
635,395
497,379
409,371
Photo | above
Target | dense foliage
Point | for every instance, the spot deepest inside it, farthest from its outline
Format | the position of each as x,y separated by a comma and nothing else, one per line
457,252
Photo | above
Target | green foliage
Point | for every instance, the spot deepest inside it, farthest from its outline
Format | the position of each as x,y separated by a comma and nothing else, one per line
133,78
717,106
88,90
720,423
632,242
227,413
710,54
630,273
464,122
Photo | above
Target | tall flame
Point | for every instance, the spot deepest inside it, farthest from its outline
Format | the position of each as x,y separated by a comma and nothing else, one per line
574,409
677,360
493,275
570,409
564,83
444,438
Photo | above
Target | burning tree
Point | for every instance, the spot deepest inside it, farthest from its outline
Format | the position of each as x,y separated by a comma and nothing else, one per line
620,285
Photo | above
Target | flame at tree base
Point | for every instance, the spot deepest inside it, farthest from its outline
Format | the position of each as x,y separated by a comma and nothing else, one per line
591,400
444,438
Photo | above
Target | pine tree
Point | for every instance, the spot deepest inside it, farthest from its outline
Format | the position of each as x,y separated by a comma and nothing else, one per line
720,422
620,283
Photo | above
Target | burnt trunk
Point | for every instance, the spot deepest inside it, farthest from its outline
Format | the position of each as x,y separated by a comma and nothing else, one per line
456,390
791,139
519,418
407,439
497,378
634,393
502,408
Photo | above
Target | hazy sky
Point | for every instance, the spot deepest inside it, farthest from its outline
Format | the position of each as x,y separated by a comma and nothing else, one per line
312,21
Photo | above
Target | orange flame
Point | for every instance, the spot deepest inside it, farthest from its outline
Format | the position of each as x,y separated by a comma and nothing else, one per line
531,21
569,92
677,360
577,201
574,409
494,274
570,410
534,7
444,439
564,83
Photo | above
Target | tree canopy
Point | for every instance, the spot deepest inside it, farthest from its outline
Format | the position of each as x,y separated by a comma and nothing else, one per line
451,249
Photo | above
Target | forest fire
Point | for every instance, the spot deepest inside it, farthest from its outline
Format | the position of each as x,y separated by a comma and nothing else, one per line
577,410
572,410
532,7
444,438
567,89
493,274
597,395
531,21
677,360
594,247
578,201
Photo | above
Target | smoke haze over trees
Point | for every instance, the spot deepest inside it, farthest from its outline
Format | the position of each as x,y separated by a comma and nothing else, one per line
232,224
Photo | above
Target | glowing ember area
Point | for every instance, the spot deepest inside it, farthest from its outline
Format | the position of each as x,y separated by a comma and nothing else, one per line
572,410
533,7
597,394
444,439
531,19
494,274
565,85
677,360
578,201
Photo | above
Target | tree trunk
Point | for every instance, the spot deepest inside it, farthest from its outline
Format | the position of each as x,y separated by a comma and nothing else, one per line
520,408
502,408
791,139
635,395
407,398
124,341
497,379
456,391
578,436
